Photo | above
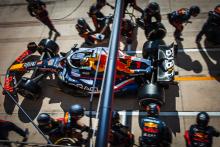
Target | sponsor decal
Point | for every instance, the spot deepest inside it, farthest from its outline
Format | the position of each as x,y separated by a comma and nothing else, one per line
150,124
7,85
39,62
83,87
23,55
29,64
50,62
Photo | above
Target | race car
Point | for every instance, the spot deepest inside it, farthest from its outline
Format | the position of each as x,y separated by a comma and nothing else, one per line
82,69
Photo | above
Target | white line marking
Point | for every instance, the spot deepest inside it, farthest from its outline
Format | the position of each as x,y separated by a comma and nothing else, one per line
123,117
136,113
183,50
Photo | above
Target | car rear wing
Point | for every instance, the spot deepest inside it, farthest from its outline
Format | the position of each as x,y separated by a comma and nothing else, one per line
165,70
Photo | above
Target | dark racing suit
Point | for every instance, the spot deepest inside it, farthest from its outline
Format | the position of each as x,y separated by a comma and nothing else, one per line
155,133
71,127
101,24
87,33
120,135
131,3
37,9
55,130
147,18
177,18
211,28
127,30
200,136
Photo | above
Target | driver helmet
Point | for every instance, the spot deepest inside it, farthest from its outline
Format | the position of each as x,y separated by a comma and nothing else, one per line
153,109
44,119
78,60
115,117
154,7
194,10
76,111
84,61
202,119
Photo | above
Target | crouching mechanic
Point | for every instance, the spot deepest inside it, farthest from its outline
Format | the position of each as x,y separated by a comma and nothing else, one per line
120,135
155,133
200,134
178,17
64,127
127,31
87,33
54,128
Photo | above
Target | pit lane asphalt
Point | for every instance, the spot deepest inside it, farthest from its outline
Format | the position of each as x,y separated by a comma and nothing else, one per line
17,28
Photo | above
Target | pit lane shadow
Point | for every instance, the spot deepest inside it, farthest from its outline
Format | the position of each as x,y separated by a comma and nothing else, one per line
211,58
31,107
185,62
173,121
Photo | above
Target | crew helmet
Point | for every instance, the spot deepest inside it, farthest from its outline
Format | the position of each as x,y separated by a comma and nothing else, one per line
115,116
194,10
76,111
202,119
153,109
154,7
44,119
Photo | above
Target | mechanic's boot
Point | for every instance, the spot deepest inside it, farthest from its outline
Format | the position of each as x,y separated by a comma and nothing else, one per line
50,34
57,34
26,134
177,35
179,38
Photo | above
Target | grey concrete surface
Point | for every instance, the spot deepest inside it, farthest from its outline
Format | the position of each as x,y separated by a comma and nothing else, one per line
17,28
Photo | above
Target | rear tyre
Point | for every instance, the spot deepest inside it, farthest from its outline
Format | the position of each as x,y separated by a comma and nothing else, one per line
151,93
150,49
67,142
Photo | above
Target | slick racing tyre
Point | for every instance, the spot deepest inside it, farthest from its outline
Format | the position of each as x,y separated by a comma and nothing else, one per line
155,31
49,47
151,93
150,49
67,142
29,89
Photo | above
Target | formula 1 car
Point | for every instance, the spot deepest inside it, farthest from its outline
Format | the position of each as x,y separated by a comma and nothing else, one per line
77,69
